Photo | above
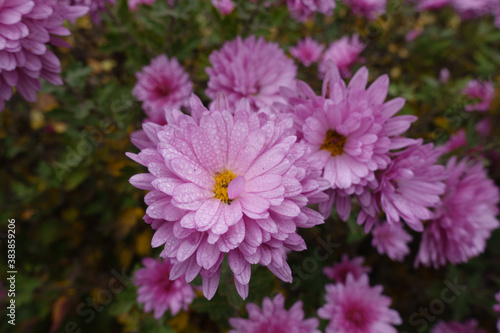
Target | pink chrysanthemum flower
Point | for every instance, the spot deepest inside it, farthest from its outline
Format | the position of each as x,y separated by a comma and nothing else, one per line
224,7
340,270
444,75
355,307
26,29
307,51
465,218
431,4
95,7
392,240
496,308
253,69
302,10
273,318
343,53
484,91
157,292
411,185
470,9
226,184
456,141
367,8
350,132
160,85
455,327
133,5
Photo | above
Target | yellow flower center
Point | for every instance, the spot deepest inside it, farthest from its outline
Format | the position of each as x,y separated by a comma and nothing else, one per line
222,181
334,143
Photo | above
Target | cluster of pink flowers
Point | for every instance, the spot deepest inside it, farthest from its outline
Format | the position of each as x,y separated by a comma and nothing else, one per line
157,292
354,306
233,181
27,28
273,317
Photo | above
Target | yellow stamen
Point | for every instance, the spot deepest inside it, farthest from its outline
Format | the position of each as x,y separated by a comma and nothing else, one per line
222,181
334,143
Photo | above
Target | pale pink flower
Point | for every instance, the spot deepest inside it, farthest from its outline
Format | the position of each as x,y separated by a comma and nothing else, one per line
340,270
469,326
157,292
392,240
302,10
307,51
465,218
456,141
252,69
484,91
224,7
226,184
367,8
163,84
343,53
274,318
355,307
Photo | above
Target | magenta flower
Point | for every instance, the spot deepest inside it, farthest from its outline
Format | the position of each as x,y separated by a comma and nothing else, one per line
470,9
251,69
496,308
484,91
226,184
157,292
367,8
26,29
455,327
160,85
95,7
392,240
133,5
224,7
355,307
274,318
456,141
307,51
345,267
302,10
411,185
465,218
343,53
431,4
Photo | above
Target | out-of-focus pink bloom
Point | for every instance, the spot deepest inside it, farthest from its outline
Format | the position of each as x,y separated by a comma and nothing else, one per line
343,53
470,9
392,240
496,308
456,327
484,91
224,7
302,10
160,85
413,34
367,8
464,220
483,127
250,69
133,5
340,270
354,306
273,318
307,51
456,141
444,75
157,292
95,7
431,4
